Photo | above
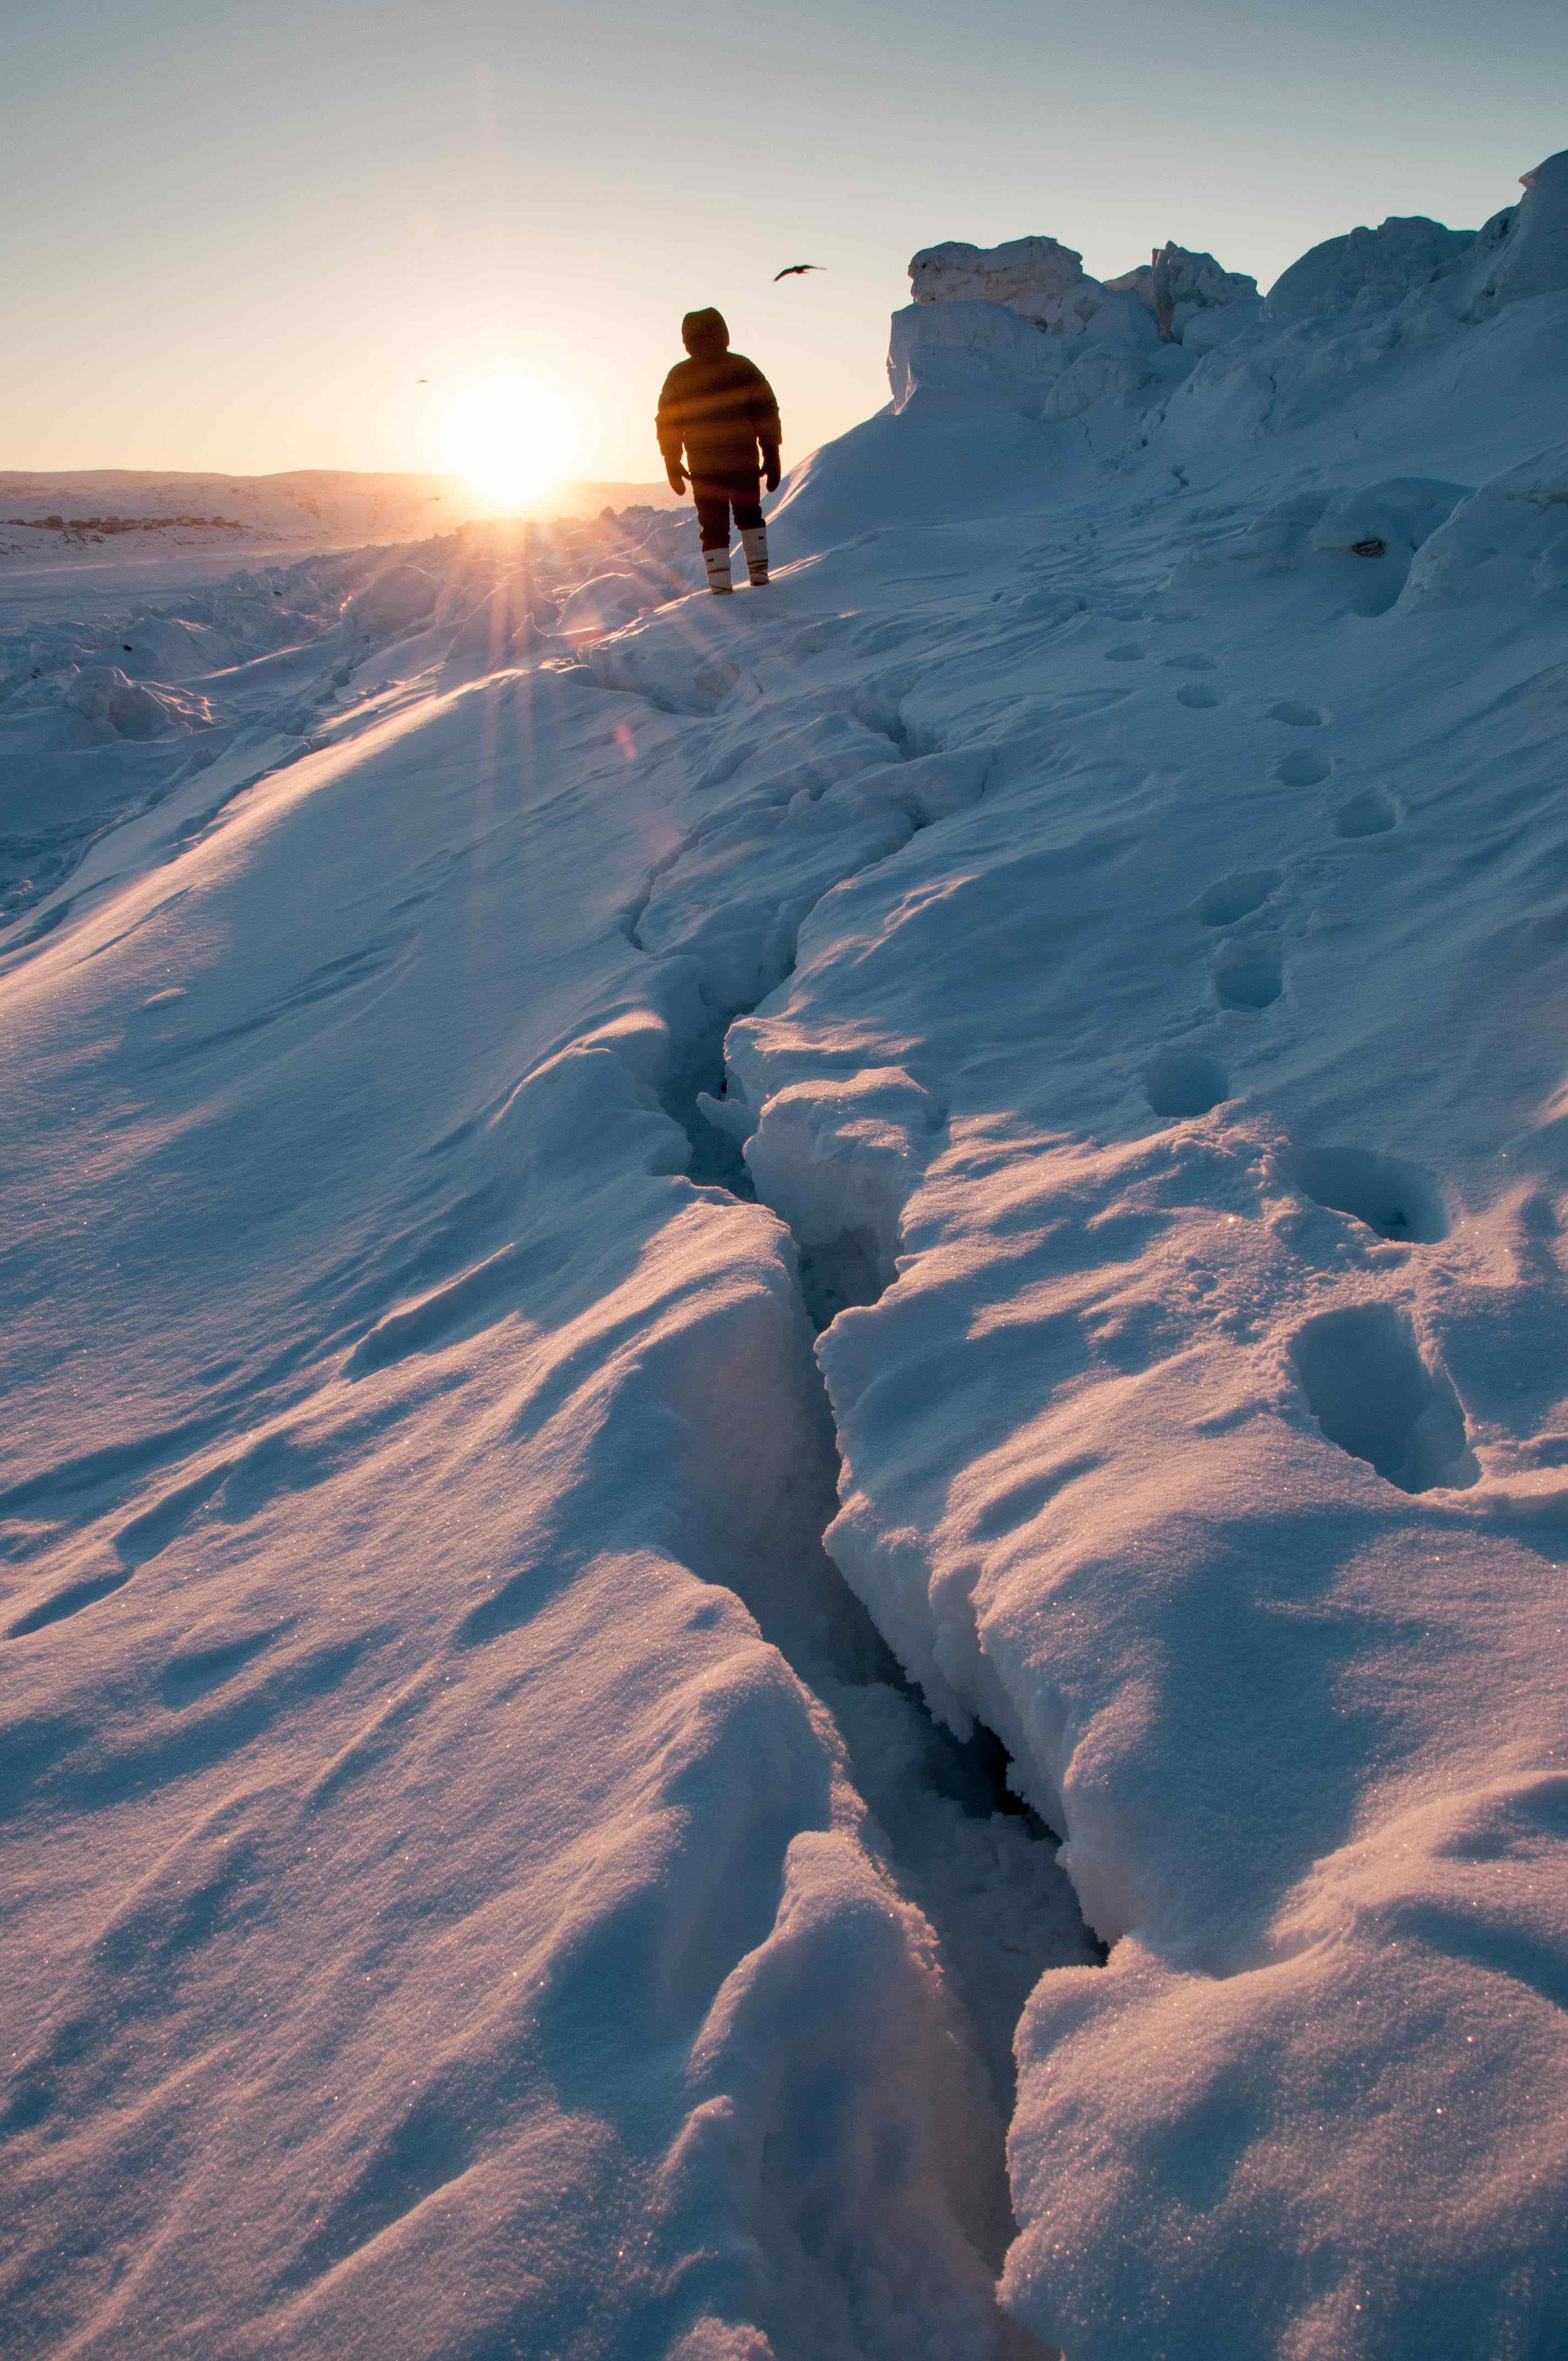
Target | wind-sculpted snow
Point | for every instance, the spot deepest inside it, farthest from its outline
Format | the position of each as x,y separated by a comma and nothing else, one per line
380,1597
285,652
1087,942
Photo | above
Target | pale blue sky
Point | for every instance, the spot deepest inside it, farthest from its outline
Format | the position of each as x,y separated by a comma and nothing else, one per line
236,237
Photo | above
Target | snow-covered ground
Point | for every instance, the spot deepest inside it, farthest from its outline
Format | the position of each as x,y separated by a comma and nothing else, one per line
102,584
90,519
534,1784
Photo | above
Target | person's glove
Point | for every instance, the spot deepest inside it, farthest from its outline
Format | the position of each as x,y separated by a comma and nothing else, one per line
677,476
771,470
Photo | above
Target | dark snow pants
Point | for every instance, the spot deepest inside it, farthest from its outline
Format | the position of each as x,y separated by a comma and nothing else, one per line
716,495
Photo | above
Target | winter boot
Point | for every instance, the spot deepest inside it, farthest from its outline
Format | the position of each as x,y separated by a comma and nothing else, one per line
754,541
718,564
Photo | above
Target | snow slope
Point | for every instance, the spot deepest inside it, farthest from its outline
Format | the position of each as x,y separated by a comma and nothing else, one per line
1089,941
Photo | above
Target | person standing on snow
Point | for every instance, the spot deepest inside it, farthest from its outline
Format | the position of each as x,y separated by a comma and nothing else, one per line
718,408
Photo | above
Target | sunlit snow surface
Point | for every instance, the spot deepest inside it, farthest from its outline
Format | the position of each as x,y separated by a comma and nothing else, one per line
482,1880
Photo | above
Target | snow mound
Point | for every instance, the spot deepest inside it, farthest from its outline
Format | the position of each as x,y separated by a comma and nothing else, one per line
1523,251
500,624
1369,269
1510,539
97,705
608,600
394,601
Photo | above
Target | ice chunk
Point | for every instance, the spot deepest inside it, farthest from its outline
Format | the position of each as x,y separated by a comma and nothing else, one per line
837,1161
1035,275
970,348
108,703
1198,285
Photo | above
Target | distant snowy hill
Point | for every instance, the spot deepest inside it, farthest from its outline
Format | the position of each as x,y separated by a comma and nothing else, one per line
787,1381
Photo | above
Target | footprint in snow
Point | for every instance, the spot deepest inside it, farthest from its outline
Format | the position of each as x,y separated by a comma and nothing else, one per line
1306,768
1247,971
1183,1082
1235,896
1191,664
1296,715
1200,699
1371,813
1371,1391
1130,652
1396,1199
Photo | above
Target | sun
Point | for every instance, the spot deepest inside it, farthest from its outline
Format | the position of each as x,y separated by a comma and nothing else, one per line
510,438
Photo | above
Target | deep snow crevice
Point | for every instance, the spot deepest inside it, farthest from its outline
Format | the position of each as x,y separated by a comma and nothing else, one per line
959,1841
956,1837
696,1073
811,824
838,1275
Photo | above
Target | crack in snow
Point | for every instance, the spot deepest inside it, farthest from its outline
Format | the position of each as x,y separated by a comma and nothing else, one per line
960,1842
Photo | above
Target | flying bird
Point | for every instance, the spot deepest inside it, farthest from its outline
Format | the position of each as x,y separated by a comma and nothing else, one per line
794,269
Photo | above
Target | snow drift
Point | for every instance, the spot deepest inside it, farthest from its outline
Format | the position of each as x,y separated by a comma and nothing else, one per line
535,1785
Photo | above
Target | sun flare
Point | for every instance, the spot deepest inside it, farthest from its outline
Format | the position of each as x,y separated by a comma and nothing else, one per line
510,438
